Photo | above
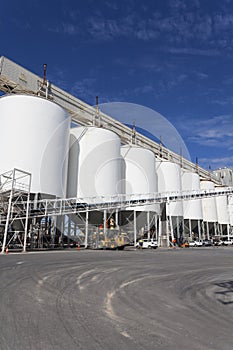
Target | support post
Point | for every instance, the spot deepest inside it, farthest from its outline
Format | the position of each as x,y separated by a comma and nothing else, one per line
148,224
215,229
117,218
105,222
8,215
86,228
207,230
190,229
199,229
160,232
156,227
228,232
135,227
178,228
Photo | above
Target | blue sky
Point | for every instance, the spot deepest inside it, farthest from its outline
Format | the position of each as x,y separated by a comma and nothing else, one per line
173,56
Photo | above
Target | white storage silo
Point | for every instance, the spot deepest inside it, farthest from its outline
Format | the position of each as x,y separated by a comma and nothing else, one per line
210,216
230,208
140,182
169,180
94,164
34,137
140,175
222,209
193,214
223,212
209,204
95,175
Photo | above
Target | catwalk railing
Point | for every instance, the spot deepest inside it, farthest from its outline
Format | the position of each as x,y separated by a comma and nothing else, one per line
66,206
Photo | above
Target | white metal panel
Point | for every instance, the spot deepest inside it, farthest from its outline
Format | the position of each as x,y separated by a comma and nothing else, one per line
222,209
169,180
209,204
140,174
192,208
94,163
34,136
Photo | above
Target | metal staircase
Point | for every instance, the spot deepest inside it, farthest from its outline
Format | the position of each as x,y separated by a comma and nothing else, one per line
15,186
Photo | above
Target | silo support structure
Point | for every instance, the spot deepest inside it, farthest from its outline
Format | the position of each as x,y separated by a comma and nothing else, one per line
135,227
171,231
7,220
207,230
167,232
26,221
105,222
215,228
211,229
86,229
179,234
220,229
148,224
62,226
69,229
117,218
199,229
228,232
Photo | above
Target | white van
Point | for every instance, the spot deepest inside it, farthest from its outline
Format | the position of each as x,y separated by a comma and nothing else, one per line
148,243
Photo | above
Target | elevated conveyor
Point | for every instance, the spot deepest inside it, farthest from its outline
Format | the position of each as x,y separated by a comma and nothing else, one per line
15,79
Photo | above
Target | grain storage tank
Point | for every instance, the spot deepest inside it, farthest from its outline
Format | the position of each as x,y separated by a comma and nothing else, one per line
209,204
223,212
193,215
34,137
210,216
192,208
94,164
140,175
140,182
169,180
222,208
230,207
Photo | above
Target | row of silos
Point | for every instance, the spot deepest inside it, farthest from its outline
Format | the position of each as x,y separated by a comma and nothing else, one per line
100,167
35,136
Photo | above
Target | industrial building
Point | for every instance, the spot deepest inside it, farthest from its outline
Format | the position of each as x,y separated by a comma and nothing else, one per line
99,184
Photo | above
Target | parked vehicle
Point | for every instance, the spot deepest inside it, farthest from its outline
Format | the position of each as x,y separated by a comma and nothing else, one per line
195,244
148,243
227,242
218,242
207,243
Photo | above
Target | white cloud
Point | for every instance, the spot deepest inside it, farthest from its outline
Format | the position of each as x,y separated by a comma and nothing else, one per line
201,75
184,29
85,90
194,51
211,132
224,101
218,162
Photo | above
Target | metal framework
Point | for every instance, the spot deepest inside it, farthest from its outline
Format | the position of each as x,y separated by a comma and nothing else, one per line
16,206
65,206
15,79
15,186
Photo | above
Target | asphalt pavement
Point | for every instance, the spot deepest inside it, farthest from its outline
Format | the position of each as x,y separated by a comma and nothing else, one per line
166,299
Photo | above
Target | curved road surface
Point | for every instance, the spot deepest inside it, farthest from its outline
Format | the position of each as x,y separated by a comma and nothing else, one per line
163,299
